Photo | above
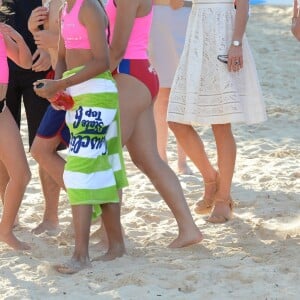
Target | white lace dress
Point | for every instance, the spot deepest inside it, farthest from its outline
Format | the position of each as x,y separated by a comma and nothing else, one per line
203,91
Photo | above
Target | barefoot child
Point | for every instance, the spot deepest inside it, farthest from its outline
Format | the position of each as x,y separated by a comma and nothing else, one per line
94,171
12,152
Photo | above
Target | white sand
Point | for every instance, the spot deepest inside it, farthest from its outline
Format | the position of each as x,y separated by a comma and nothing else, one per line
254,256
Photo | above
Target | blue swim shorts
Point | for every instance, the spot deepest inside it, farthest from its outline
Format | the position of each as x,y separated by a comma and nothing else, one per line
53,124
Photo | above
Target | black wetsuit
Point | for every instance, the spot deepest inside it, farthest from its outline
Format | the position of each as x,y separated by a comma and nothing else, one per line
20,80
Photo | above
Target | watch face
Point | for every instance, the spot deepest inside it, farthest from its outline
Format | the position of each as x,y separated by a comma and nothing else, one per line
236,43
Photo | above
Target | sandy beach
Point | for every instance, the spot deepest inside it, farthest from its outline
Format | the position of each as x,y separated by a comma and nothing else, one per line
254,256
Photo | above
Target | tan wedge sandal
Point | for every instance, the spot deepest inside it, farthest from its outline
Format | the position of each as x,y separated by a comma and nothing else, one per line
219,218
205,205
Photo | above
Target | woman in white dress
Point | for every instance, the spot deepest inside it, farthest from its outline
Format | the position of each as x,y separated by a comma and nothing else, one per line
209,89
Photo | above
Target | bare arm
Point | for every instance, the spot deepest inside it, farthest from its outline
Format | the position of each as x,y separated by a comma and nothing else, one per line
41,57
61,60
17,49
95,22
235,53
242,11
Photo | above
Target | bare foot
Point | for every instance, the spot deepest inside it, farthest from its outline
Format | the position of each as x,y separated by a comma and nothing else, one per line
72,266
187,239
111,254
16,222
48,226
102,236
184,169
222,211
205,205
11,240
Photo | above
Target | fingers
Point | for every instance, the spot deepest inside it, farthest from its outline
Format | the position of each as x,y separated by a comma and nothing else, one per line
41,39
41,61
38,89
37,18
235,64
41,65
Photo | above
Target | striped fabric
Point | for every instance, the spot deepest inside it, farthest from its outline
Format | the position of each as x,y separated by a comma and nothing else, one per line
95,169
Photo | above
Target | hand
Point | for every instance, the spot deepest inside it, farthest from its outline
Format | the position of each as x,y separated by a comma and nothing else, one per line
235,58
37,18
175,4
45,39
47,89
42,60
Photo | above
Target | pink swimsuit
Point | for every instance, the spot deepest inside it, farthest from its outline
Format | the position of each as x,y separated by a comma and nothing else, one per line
3,62
139,37
135,61
74,33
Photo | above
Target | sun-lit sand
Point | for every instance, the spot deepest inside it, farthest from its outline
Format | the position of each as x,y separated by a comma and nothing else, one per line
254,256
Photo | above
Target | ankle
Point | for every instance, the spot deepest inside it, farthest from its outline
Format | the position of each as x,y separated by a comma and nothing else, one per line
211,180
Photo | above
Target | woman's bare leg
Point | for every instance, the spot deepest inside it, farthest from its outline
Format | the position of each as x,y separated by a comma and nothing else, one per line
137,124
162,131
194,148
160,114
14,159
182,165
226,150
146,158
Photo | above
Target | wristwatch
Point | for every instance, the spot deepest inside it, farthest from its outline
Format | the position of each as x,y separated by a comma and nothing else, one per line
236,43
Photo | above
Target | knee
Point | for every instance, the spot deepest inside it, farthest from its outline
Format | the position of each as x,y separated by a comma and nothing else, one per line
173,126
139,164
35,151
221,129
40,149
27,177
177,128
143,165
21,178
150,166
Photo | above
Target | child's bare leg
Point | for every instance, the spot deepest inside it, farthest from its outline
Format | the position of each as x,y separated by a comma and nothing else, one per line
101,232
112,225
51,167
101,235
82,215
